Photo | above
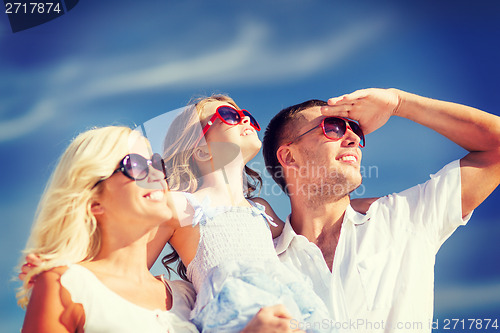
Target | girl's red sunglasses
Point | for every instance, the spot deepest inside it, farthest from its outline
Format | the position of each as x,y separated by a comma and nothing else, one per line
229,116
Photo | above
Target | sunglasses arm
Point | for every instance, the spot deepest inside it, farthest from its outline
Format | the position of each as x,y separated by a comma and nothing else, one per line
289,143
206,127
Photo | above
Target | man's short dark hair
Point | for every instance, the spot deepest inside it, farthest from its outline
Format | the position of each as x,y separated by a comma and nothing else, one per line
280,131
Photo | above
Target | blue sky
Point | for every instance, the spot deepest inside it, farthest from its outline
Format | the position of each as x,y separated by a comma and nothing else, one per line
125,62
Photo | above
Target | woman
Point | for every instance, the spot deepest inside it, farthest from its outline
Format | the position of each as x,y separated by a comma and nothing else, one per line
93,223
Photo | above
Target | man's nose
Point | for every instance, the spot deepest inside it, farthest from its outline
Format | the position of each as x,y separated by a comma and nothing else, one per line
351,138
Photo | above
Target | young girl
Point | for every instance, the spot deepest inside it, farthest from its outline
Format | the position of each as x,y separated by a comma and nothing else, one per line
92,228
225,243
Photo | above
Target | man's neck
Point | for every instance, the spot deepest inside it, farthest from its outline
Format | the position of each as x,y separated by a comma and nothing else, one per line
320,224
311,220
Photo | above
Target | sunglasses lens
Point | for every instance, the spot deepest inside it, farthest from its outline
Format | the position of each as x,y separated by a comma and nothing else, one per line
253,121
158,164
334,128
229,115
136,166
358,131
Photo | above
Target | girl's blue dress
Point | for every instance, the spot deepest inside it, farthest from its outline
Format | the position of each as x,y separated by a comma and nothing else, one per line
236,271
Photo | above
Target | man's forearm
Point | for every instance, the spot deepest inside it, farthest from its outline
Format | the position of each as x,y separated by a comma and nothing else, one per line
472,129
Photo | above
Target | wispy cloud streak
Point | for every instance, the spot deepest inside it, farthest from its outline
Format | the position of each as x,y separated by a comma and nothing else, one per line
466,297
253,57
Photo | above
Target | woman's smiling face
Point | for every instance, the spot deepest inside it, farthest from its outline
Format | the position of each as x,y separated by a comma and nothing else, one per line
130,201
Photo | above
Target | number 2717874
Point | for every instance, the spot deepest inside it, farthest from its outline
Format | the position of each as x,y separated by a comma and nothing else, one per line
32,7
470,324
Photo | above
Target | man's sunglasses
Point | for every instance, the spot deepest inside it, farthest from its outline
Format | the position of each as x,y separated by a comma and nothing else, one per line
136,167
335,128
229,116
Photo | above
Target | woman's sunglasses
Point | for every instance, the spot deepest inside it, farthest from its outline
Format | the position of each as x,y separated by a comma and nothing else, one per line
136,167
334,128
229,116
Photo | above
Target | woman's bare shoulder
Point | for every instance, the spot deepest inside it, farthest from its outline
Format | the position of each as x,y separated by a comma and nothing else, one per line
50,308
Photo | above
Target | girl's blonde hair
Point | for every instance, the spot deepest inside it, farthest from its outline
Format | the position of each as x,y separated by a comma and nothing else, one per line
65,231
179,146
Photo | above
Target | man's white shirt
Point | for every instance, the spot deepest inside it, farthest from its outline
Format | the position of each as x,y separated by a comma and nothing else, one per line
383,271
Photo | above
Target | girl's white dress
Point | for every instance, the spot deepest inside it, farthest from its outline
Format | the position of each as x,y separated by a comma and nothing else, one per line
236,271
106,311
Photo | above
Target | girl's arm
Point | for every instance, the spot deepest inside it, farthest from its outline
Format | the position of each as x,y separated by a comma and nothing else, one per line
276,231
361,205
182,216
157,240
50,308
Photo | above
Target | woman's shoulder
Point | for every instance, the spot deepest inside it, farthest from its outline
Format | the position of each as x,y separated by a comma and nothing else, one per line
51,277
50,307
48,286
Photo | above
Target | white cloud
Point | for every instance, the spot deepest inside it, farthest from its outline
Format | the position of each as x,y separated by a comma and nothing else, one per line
210,67
17,127
465,297
253,57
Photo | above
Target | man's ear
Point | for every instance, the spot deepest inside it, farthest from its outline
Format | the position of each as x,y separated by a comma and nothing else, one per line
202,154
96,208
286,157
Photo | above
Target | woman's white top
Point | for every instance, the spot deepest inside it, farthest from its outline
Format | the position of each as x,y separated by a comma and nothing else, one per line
106,311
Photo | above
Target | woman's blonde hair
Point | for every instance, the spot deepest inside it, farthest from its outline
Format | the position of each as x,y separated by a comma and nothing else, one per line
182,172
65,231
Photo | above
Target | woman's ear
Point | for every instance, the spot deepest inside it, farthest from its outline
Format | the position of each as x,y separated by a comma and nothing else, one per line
96,208
202,154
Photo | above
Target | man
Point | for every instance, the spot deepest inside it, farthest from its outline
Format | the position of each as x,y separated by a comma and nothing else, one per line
372,260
